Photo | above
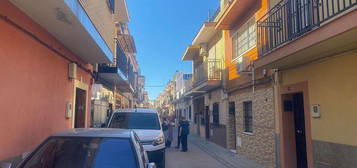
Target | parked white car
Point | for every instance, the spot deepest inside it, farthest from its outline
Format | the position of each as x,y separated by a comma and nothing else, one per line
146,124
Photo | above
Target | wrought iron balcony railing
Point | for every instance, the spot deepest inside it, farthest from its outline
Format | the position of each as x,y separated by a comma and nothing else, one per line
208,70
291,19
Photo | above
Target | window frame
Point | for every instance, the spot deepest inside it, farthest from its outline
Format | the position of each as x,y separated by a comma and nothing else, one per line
38,148
244,29
232,108
248,116
215,116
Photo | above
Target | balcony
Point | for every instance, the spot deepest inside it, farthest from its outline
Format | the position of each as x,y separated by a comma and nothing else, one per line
112,76
208,75
122,61
124,38
68,22
305,30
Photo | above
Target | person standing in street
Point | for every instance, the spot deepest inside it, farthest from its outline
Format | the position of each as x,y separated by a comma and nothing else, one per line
178,134
170,133
165,128
185,131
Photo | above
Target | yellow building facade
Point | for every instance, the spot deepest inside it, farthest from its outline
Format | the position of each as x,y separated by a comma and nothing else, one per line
313,59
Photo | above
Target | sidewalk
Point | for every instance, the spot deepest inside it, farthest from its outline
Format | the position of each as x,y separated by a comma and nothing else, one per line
222,155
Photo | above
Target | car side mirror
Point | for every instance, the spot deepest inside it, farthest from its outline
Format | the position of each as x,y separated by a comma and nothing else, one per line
5,165
151,165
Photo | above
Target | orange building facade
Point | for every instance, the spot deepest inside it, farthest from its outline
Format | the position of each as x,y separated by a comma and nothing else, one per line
251,127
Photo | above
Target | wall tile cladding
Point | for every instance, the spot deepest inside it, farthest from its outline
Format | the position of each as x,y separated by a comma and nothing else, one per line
330,155
260,145
231,133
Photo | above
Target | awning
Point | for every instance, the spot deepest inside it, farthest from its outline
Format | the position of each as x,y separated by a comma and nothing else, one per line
234,12
68,22
191,52
205,34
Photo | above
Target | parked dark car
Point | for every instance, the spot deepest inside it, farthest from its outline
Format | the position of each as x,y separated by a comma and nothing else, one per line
89,148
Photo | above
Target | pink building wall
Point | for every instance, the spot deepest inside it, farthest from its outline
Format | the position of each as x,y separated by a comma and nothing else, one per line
34,84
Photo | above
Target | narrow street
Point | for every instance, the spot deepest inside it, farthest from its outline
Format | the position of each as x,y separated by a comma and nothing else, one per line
194,158
252,83
204,154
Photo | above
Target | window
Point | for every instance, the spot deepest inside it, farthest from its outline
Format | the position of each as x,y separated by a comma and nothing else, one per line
111,5
248,116
245,39
232,108
215,113
189,113
97,152
135,121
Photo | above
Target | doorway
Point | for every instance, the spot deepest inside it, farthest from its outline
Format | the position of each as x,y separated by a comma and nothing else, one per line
294,130
80,108
199,110
207,120
300,137
232,124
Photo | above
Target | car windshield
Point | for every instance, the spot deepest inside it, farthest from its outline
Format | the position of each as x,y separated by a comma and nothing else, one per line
83,153
135,121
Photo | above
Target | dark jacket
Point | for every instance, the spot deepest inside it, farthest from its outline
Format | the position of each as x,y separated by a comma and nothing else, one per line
185,127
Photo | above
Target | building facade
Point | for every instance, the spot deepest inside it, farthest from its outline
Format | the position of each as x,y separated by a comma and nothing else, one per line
209,101
285,91
164,104
49,57
250,90
182,103
312,51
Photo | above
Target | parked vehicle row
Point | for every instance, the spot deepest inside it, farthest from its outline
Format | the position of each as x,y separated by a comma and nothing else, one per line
133,139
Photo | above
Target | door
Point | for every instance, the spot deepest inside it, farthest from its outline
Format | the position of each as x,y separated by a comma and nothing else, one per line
232,123
207,119
80,109
300,138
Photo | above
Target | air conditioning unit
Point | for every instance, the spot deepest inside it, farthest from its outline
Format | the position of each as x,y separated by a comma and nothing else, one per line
204,50
224,95
244,65
72,71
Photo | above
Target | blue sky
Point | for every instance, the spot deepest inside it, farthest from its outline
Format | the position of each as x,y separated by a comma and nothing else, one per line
162,30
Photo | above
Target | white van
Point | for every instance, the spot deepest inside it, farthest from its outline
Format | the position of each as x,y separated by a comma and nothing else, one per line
146,124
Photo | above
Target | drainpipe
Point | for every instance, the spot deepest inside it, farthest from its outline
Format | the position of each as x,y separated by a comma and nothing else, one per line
253,79
276,85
